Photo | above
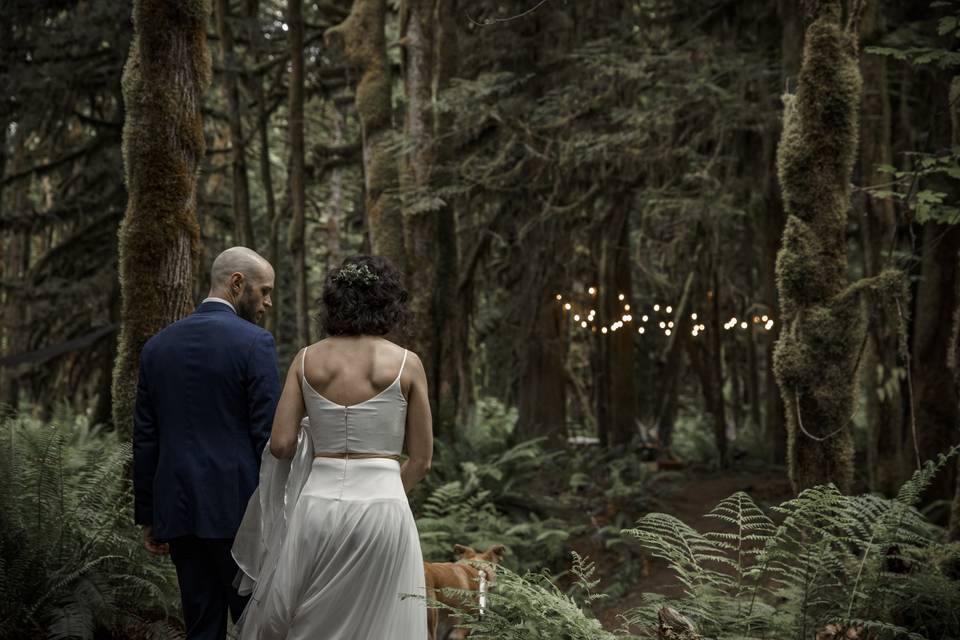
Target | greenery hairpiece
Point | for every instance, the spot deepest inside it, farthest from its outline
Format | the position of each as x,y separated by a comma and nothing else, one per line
356,273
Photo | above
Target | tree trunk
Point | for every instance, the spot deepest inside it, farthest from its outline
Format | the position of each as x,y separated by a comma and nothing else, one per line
362,38
167,72
255,84
542,398
617,402
816,354
421,219
297,237
243,226
715,366
885,447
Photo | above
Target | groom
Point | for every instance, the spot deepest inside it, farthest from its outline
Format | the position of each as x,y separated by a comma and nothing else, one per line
206,395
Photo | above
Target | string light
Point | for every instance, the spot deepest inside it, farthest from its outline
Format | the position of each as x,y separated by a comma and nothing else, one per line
567,306
656,307
669,309
743,325
693,316
621,297
645,317
626,307
663,325
670,324
667,332
604,330
640,330
593,291
576,317
559,297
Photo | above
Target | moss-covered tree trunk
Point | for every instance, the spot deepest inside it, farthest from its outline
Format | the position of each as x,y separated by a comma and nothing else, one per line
240,189
296,239
883,399
167,72
362,38
815,357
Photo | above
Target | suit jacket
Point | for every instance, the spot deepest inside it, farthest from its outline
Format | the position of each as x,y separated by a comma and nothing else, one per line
206,395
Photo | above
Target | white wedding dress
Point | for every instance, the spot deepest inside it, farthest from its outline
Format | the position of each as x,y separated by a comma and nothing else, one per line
328,547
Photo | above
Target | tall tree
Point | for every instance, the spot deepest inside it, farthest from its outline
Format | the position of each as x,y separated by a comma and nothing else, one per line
816,354
421,210
363,40
297,236
243,223
167,72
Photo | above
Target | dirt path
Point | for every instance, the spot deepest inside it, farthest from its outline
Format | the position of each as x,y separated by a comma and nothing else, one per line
689,500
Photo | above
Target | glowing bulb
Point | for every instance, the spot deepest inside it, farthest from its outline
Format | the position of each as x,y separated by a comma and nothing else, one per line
667,332
669,309
768,325
656,307
604,330
670,324
743,325
559,297
593,291
627,317
663,325
621,296
693,316
764,318
576,317
640,330
584,324
645,317
626,307
703,327
567,306
733,321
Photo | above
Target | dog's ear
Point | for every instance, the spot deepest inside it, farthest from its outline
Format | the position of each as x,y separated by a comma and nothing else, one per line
497,551
459,550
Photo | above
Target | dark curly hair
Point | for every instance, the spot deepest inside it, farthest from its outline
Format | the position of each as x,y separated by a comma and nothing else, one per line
366,298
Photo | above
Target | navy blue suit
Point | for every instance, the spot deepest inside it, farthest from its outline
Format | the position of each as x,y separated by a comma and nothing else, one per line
206,395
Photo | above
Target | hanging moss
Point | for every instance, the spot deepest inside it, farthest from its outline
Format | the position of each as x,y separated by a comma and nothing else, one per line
819,350
167,72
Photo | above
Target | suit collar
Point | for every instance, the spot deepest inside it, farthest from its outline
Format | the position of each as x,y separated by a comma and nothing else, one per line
212,306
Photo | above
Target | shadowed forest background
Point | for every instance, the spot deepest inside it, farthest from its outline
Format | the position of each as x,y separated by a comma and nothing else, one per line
660,254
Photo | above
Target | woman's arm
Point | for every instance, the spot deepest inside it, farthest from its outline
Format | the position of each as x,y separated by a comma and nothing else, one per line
419,428
290,411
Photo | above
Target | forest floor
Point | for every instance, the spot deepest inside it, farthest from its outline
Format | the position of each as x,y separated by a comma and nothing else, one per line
689,499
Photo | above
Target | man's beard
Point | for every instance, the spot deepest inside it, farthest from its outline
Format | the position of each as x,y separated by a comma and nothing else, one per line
247,308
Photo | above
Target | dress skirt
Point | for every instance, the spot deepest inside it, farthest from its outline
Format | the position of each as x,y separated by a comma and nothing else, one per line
348,565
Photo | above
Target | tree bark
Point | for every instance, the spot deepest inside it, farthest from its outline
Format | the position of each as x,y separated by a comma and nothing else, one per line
362,38
297,237
243,225
616,397
421,218
167,72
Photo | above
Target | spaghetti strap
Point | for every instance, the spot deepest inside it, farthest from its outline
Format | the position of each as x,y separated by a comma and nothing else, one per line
303,364
403,362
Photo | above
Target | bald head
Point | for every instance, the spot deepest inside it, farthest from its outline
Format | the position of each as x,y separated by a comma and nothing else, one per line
245,279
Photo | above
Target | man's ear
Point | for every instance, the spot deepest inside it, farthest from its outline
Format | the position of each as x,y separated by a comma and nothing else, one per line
498,551
459,550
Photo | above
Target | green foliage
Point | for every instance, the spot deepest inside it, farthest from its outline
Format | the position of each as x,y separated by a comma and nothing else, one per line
862,560
71,562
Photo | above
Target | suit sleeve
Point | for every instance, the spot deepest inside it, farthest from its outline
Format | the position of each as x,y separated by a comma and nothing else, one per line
146,451
263,389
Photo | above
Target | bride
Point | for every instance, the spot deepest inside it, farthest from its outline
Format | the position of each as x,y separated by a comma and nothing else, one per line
328,547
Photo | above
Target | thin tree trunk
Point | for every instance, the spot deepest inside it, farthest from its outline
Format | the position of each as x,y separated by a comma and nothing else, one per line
243,225
163,147
255,83
297,236
716,370
362,38
885,445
